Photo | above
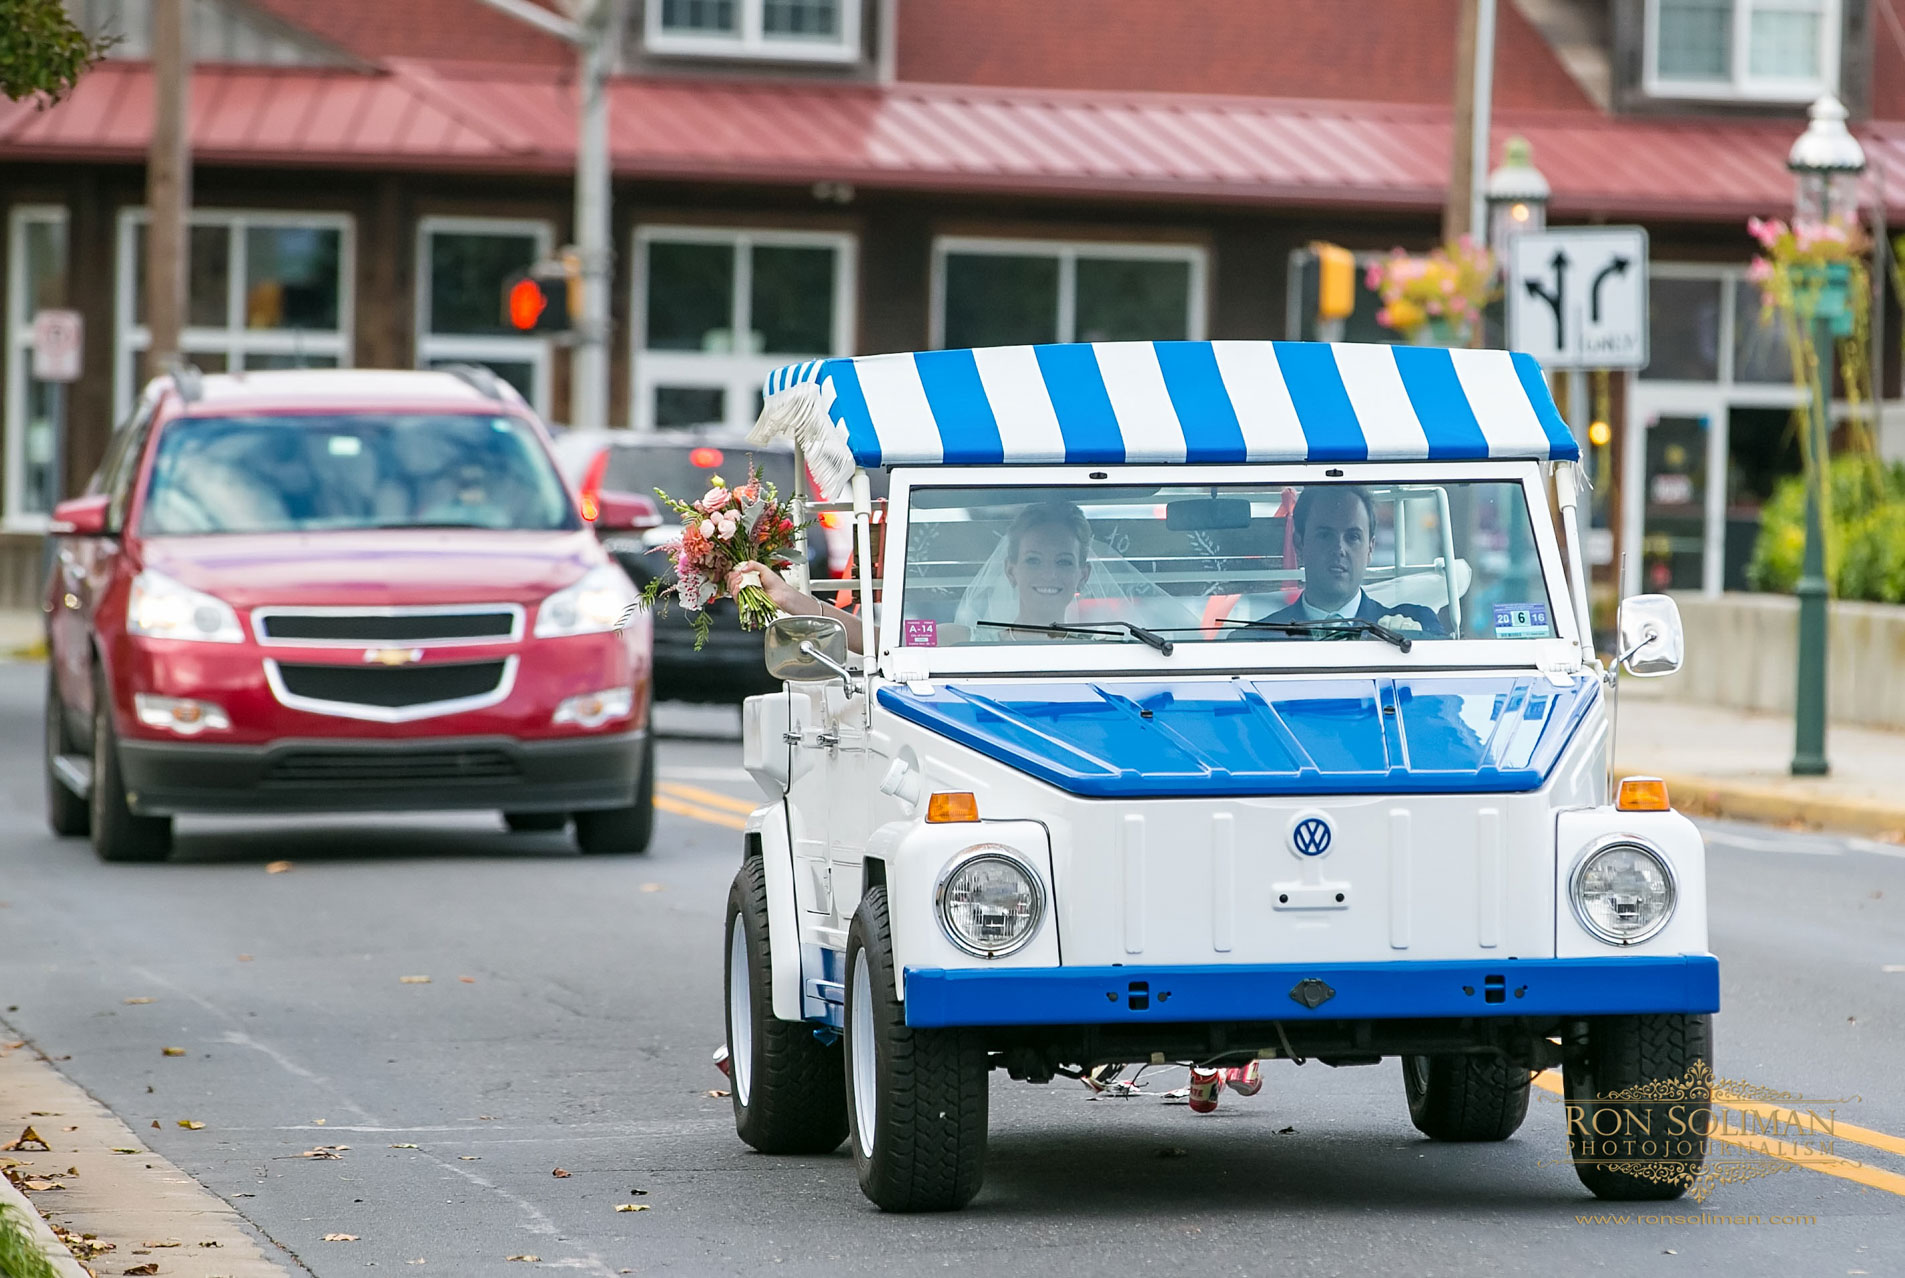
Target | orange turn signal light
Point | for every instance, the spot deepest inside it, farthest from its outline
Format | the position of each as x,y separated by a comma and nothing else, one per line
1643,794
952,807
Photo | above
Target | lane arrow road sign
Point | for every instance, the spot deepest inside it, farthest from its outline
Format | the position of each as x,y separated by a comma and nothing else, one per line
1616,267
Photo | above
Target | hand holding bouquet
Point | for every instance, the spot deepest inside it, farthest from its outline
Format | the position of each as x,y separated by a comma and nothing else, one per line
725,528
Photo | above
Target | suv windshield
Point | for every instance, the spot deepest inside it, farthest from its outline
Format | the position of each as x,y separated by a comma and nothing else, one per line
314,472
1380,562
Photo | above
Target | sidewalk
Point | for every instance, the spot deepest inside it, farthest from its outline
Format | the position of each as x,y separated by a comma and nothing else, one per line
1730,763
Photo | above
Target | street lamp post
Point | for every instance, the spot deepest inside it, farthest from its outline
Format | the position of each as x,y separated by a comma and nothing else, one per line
1825,162
1516,196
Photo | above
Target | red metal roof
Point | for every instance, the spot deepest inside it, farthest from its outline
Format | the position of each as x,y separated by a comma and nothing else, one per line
1202,148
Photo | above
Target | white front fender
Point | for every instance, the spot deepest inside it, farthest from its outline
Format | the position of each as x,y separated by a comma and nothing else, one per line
769,825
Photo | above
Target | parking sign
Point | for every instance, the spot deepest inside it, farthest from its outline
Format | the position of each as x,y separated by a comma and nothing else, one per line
59,337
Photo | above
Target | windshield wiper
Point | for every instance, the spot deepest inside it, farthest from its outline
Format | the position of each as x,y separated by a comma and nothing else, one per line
1151,637
1333,627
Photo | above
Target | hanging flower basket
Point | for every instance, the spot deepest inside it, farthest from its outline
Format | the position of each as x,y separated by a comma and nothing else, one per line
1437,299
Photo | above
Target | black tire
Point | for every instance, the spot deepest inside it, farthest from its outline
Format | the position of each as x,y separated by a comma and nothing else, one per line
1631,1051
1465,1098
788,1088
119,834
613,831
66,813
535,822
919,1137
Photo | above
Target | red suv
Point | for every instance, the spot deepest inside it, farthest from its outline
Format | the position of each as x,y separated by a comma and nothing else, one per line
341,591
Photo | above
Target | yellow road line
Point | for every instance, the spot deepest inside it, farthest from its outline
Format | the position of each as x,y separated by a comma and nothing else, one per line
1827,1164
713,798
679,808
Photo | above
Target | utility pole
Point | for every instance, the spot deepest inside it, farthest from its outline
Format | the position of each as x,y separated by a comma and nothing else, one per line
594,27
1462,211
168,185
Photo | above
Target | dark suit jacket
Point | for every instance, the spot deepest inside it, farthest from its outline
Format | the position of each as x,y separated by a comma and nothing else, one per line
1370,610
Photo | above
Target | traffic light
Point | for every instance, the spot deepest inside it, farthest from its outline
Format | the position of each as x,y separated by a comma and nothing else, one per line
535,301
1335,281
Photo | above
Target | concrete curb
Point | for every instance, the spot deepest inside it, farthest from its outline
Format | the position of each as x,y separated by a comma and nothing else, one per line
1773,802
61,1259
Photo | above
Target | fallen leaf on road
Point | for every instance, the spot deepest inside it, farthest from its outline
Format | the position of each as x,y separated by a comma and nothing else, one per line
170,1242
715,1092
414,980
631,1207
469,1158
172,1051
559,1173
277,867
418,1261
134,1002
14,1162
150,1267
526,1256
38,1184
325,1151
73,1128
639,1193
317,1122
244,958
467,980
211,1242
651,887
486,1118
124,1149
155,1122
340,1238
190,1124
405,1146
28,1139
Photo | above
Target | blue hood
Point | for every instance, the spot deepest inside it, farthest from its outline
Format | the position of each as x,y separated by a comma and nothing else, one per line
1202,738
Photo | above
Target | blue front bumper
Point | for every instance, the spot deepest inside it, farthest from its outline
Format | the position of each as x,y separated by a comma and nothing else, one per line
1133,995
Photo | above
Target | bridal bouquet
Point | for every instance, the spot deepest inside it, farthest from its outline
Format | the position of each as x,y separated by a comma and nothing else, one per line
727,526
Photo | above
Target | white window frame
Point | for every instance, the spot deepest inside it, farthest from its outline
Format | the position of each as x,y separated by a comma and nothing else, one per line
739,373
19,357
752,40
1068,252
1741,85
534,351
234,343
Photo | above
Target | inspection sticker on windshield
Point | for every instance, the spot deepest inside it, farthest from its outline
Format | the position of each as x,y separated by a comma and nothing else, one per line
920,634
1521,621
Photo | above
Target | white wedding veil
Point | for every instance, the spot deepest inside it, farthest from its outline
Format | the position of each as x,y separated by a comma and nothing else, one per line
1115,591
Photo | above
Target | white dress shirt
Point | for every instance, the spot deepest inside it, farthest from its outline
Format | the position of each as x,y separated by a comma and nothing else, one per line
1312,613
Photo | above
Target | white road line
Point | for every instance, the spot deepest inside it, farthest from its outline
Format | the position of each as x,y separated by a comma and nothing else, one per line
704,774
1876,848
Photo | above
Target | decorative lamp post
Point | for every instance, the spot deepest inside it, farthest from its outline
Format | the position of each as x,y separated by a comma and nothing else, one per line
1826,163
1517,196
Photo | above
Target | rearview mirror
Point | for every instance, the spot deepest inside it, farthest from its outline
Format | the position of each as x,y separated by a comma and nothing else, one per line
807,649
1206,514
1651,640
81,516
624,512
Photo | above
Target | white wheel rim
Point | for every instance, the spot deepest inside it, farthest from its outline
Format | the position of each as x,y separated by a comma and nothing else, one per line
740,1014
860,1040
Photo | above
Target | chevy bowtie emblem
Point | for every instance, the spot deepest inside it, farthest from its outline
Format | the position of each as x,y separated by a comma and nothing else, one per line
393,656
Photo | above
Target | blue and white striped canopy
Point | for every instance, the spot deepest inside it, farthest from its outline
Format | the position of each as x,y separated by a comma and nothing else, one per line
1187,401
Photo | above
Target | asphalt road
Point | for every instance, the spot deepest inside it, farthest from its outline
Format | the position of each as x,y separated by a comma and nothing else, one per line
582,1038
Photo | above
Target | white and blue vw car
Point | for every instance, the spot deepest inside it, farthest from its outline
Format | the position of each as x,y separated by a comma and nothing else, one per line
1213,702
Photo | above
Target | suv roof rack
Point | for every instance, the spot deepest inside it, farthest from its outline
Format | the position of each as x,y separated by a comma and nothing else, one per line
481,380
186,377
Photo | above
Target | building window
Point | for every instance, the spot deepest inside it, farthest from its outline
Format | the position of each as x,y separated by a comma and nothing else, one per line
775,30
463,266
1710,325
36,270
1769,50
1019,292
264,290
716,311
220,32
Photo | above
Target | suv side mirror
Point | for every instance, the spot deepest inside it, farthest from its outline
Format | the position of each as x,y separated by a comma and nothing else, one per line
1651,640
625,512
81,516
807,649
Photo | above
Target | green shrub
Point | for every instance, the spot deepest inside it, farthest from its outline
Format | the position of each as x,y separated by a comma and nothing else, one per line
19,1256
1865,549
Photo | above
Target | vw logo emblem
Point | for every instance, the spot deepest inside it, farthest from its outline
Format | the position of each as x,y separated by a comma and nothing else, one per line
1310,835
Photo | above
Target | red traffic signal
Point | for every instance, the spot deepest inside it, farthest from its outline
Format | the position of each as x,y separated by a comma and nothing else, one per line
533,305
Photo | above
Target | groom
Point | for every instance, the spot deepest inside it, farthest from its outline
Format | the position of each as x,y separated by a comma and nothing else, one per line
1333,523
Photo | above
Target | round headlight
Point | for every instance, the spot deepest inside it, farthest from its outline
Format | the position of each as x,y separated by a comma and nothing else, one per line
1623,892
990,903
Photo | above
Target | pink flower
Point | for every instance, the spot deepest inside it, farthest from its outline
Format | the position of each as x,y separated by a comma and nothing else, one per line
715,499
1760,271
1372,278
707,527
1382,318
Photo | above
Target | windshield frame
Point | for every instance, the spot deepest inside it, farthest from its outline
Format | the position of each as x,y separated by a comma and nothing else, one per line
1240,653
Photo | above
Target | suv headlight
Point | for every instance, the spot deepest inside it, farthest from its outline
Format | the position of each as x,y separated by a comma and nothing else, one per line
1623,891
161,608
990,902
590,606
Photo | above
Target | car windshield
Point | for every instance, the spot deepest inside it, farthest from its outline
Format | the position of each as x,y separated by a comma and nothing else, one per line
313,472
1379,562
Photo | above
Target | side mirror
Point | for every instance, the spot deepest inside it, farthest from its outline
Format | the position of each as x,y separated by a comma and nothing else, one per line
1651,640
806,649
624,512
81,516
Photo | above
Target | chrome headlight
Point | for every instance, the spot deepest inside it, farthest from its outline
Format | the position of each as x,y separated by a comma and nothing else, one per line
1623,891
990,902
590,606
161,608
